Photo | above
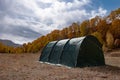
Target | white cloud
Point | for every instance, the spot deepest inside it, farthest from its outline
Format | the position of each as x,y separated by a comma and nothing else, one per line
43,16
100,12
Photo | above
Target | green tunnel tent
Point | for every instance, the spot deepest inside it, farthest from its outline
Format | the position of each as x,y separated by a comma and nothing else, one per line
76,52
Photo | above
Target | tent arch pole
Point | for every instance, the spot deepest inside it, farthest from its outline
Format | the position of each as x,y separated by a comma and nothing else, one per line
78,50
52,50
63,50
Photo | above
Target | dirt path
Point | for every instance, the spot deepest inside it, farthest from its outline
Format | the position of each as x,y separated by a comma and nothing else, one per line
27,67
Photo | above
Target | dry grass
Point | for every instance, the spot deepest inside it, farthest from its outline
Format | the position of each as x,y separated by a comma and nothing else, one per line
27,67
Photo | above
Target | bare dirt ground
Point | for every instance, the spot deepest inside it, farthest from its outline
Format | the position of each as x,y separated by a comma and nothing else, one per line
27,67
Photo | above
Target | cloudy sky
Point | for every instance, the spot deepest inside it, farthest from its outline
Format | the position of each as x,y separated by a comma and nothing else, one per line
25,20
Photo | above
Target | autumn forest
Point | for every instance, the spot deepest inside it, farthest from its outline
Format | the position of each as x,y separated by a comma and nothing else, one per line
106,29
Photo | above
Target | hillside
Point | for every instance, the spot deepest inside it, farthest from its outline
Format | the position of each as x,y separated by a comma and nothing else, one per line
106,29
9,43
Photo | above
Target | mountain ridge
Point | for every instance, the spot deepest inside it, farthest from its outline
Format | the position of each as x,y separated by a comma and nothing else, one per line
9,43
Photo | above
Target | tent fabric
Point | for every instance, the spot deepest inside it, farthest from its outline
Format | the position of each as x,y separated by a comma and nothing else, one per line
57,51
76,52
47,51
